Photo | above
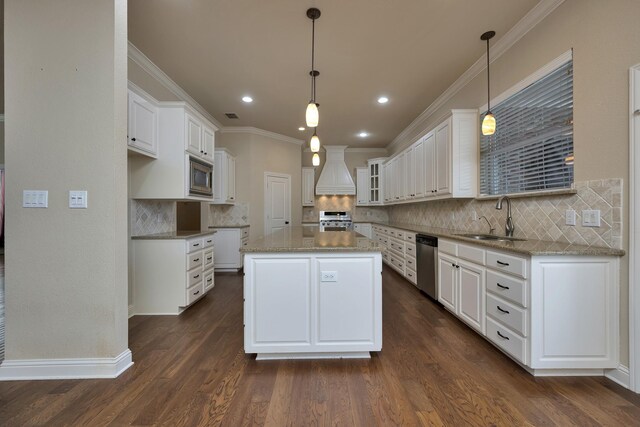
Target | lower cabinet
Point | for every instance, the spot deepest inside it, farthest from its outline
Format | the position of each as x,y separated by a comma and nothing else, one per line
169,275
554,315
228,242
364,229
399,250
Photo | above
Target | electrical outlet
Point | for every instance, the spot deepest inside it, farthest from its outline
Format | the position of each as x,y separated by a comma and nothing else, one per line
328,276
474,215
591,218
570,217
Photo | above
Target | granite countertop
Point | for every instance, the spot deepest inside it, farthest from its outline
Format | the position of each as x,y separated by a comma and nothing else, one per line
173,235
527,247
311,239
229,226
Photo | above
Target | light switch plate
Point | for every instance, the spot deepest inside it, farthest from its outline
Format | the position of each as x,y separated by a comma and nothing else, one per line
35,199
591,218
328,276
570,217
78,200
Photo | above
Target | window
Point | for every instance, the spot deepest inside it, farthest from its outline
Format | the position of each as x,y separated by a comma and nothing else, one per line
532,149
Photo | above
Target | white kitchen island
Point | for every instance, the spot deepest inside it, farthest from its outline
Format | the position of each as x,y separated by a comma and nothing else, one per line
311,294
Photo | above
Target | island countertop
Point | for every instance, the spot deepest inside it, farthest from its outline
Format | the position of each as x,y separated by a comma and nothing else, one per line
311,239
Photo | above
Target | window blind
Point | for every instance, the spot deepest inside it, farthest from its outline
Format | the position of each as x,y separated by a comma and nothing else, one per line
532,148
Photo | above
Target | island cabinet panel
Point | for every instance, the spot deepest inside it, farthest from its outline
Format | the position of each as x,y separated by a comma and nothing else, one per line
312,305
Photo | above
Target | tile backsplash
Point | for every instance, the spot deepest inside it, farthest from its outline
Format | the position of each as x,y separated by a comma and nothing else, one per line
237,214
540,218
344,203
152,216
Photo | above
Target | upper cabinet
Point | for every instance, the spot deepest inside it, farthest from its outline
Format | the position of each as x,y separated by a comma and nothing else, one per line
142,134
362,186
224,177
376,178
441,164
199,138
308,186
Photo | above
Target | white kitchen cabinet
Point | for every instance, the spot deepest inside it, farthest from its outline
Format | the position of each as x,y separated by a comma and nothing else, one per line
171,274
409,181
224,177
447,280
386,177
430,163
227,244
362,186
308,186
442,165
364,229
199,138
419,172
376,180
167,177
142,125
471,291
400,249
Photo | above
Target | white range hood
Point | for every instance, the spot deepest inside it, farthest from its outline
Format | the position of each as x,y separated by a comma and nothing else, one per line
335,177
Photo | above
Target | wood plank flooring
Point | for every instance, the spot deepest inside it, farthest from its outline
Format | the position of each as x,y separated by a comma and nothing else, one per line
190,370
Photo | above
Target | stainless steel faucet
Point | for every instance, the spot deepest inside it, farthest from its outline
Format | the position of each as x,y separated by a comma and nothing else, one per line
508,227
491,229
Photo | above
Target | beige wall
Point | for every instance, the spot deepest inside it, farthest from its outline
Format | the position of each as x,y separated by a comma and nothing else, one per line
605,38
255,155
148,83
66,280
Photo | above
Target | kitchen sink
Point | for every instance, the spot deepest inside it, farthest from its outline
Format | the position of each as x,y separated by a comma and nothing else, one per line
491,237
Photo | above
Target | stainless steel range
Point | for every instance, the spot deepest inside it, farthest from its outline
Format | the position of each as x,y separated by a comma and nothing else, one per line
335,221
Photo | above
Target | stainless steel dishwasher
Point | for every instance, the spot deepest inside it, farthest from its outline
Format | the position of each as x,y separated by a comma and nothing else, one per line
427,251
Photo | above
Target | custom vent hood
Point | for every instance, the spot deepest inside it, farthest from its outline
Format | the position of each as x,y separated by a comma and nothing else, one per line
335,177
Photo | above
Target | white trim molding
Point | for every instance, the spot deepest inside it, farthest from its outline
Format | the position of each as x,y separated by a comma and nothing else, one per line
634,228
619,375
147,65
261,132
522,27
57,369
355,150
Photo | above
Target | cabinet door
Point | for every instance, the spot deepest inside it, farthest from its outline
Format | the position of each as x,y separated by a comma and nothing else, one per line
419,173
386,191
308,176
193,135
362,187
471,306
226,245
231,178
143,124
430,163
409,174
447,275
443,159
219,174
208,143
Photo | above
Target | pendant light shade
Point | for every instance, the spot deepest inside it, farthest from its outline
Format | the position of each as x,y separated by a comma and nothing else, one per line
314,143
315,160
312,115
489,121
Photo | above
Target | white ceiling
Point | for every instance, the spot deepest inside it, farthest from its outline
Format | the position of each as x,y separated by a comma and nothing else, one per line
409,51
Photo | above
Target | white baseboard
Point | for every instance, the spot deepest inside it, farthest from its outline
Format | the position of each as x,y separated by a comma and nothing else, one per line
56,369
132,311
619,375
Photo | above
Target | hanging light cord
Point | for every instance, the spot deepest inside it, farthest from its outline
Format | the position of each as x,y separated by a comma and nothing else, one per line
488,82
313,54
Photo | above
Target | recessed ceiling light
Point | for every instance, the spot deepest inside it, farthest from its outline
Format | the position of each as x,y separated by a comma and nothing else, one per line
363,134
383,100
247,99
301,128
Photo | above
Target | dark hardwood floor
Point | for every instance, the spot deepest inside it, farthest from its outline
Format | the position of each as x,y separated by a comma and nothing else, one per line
191,370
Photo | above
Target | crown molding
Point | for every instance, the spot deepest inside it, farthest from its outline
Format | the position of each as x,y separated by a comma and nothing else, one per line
519,30
256,131
366,150
146,64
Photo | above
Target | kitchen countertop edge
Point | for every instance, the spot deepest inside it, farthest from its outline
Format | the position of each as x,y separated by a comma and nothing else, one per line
171,235
213,227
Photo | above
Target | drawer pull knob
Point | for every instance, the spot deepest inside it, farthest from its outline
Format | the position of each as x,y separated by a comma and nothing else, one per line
209,280
197,292
502,336
196,260
209,241
502,286
502,263
196,244
196,276
501,310
209,259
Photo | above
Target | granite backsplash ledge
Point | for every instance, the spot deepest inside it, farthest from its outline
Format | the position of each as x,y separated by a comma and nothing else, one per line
538,218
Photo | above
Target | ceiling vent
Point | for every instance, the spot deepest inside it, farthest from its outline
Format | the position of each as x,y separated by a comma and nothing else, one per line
231,115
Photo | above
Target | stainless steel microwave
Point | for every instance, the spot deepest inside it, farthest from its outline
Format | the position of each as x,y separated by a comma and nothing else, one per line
200,178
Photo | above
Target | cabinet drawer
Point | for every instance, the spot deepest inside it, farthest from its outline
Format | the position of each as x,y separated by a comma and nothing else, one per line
411,275
207,241
410,262
385,256
392,233
507,287
396,262
194,245
208,280
194,260
208,258
410,249
244,241
409,237
507,314
397,246
448,247
194,292
194,277
507,263
400,234
471,253
511,343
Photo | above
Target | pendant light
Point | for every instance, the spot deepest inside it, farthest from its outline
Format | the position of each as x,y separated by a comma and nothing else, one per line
489,121
312,114
315,160
314,143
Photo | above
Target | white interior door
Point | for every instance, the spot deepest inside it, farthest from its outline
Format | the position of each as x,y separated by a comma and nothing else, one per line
277,202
